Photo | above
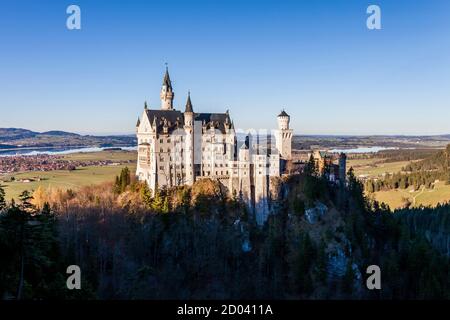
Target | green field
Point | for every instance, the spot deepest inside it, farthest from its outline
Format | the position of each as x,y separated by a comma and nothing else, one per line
65,179
426,197
103,155
375,168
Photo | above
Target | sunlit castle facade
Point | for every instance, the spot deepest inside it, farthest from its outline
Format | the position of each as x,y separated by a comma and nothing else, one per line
177,148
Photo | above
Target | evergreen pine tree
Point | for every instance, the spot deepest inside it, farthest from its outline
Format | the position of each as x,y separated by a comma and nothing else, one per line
146,195
25,198
124,179
348,280
165,208
311,168
322,260
157,203
117,185
2,198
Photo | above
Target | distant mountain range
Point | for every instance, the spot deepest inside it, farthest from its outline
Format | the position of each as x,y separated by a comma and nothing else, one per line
22,138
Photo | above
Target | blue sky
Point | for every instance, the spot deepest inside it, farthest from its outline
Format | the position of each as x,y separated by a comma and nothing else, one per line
316,59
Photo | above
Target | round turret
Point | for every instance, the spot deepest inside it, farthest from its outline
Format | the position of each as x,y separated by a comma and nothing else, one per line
283,120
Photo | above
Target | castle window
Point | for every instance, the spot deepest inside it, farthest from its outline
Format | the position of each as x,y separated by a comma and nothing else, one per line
161,150
168,140
160,140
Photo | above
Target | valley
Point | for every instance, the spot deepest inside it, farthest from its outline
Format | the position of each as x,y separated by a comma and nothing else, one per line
100,167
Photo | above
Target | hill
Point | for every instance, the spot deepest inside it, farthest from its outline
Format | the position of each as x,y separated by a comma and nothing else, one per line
439,161
11,138
59,133
10,134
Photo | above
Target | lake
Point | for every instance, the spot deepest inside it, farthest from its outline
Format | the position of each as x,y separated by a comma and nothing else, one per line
374,149
58,151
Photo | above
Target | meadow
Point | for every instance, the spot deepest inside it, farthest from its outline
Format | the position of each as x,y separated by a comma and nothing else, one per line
423,197
396,198
65,179
375,167
102,155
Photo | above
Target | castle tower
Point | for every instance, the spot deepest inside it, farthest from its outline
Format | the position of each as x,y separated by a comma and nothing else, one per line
189,141
167,94
342,167
138,123
245,172
283,136
146,163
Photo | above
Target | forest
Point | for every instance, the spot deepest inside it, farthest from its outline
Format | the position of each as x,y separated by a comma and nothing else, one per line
199,242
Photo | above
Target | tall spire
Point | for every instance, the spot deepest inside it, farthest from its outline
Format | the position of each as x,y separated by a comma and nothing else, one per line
166,81
189,104
167,94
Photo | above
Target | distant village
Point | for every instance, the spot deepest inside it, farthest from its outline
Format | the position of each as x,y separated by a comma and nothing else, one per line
20,163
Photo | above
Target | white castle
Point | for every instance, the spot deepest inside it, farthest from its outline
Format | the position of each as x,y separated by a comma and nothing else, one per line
178,148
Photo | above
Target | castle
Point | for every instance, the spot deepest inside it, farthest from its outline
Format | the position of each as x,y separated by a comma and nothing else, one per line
178,148
326,166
